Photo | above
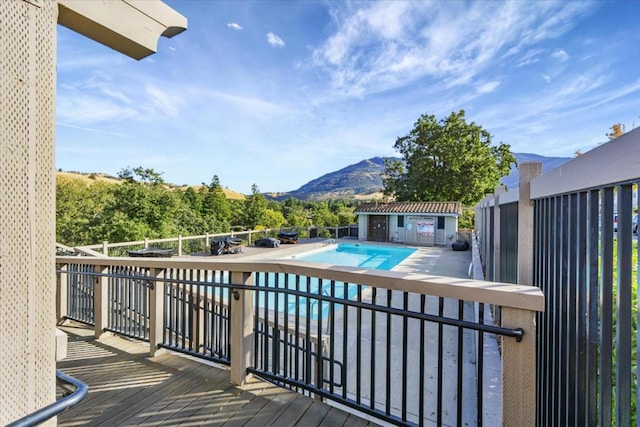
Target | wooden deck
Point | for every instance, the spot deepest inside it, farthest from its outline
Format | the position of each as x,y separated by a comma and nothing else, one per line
127,387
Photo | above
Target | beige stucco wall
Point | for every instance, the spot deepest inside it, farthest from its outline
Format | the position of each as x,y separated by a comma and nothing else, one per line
27,194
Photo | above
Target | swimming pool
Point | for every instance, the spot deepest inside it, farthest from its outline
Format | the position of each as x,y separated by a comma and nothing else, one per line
378,257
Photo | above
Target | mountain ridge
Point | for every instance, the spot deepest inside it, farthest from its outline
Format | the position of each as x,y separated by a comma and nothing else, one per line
362,180
358,181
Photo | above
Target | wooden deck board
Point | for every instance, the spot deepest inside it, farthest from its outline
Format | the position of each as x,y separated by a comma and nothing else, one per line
293,412
126,387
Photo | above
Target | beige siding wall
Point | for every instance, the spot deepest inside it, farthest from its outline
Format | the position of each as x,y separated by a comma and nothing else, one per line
27,223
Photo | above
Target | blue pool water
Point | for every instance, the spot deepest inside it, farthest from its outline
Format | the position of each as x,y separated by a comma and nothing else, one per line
357,255
351,255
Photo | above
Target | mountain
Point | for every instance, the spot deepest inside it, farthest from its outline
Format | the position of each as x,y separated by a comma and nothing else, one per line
548,163
362,180
358,181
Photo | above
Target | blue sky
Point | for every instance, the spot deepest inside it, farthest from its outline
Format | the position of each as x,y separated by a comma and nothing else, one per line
278,93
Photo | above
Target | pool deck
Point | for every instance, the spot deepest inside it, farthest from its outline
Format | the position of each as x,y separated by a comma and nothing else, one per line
436,260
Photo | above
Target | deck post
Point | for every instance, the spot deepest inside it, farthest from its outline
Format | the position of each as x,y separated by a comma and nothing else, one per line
242,323
105,248
496,231
101,300
62,291
519,369
528,171
156,312
179,245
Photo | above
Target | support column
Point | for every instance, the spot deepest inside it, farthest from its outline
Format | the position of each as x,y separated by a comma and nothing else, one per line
101,301
241,328
528,171
156,312
496,231
487,253
61,286
519,369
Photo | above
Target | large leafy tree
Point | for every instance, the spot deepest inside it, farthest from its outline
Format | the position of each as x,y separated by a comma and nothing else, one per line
79,211
215,209
446,160
255,207
142,207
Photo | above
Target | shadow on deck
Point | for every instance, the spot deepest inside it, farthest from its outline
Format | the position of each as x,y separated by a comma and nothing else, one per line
127,387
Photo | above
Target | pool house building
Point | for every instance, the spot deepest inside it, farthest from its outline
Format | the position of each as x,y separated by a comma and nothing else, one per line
415,223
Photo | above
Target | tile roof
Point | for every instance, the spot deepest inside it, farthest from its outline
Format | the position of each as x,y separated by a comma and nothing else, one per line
411,207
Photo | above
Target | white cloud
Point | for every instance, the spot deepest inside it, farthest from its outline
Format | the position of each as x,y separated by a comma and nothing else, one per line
163,102
251,105
560,54
387,45
274,40
488,87
77,108
530,57
235,26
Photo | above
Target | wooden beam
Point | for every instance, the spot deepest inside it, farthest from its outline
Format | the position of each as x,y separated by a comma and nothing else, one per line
131,27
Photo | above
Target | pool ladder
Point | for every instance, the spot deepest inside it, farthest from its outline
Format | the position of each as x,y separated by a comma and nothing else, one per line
329,242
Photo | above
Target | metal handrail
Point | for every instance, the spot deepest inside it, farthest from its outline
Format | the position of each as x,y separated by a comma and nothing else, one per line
59,406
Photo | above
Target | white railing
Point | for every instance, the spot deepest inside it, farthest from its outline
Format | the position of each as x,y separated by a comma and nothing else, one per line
185,245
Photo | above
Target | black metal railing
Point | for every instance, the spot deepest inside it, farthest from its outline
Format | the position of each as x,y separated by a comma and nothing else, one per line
80,297
78,393
197,313
585,268
128,296
406,358
508,243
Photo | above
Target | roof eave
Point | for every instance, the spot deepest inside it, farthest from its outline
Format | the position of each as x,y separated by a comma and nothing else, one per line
131,27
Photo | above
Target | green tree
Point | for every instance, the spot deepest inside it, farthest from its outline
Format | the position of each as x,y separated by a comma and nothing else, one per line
79,211
255,207
140,174
193,199
446,160
216,210
141,209
273,219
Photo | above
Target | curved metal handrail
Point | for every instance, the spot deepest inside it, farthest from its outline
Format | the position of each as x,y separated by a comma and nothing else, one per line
59,406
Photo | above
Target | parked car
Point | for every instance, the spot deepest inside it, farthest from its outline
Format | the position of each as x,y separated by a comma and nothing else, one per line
615,223
634,224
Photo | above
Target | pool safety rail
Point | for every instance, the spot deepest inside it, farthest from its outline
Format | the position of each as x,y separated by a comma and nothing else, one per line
404,349
558,233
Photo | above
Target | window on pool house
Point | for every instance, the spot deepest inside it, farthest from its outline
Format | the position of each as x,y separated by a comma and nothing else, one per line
440,223
400,221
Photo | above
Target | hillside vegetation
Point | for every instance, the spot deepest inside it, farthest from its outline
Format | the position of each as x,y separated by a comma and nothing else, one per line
140,205
91,178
